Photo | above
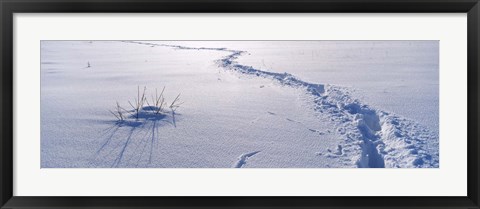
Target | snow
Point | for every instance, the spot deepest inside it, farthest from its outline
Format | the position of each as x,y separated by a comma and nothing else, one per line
247,104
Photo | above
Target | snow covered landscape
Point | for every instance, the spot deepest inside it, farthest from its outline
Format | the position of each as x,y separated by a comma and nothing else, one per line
240,104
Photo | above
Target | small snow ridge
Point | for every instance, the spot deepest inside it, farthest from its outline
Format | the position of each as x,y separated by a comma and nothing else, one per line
242,159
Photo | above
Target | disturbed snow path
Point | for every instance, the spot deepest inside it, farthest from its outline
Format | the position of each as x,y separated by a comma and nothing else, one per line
384,139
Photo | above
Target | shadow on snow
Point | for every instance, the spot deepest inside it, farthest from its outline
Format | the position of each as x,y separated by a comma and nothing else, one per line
130,142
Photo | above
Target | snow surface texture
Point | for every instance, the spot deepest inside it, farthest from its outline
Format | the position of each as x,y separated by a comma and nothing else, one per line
235,115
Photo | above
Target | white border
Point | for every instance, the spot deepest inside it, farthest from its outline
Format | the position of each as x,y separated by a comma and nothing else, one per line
448,180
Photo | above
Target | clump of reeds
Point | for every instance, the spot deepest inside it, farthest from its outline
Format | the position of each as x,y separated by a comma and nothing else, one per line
157,107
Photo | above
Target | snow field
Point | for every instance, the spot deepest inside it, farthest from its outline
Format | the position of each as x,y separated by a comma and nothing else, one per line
234,115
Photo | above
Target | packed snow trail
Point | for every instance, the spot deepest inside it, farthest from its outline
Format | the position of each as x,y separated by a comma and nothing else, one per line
384,139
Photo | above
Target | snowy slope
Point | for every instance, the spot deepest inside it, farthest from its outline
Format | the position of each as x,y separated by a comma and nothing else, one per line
234,115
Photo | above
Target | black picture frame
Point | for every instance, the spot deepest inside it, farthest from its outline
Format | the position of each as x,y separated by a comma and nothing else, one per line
9,7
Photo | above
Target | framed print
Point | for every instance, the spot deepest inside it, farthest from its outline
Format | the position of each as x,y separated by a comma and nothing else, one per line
267,104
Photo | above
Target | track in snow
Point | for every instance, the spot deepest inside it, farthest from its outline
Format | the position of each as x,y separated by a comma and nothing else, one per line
242,159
